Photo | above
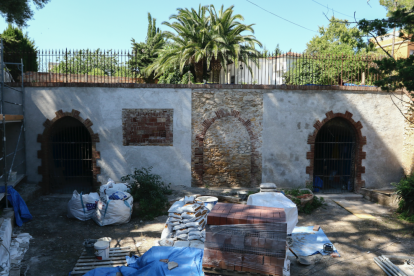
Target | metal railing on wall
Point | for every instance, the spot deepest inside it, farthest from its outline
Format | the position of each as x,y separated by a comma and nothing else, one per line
109,66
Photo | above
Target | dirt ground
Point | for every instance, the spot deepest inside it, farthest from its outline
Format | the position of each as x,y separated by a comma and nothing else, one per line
57,242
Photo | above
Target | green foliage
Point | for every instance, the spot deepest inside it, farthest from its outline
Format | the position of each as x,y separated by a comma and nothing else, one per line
336,56
187,77
315,204
396,74
405,195
19,46
89,61
393,5
150,191
205,38
19,11
146,52
96,72
308,207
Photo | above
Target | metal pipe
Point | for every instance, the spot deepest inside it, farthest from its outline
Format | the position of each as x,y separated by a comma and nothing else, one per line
380,264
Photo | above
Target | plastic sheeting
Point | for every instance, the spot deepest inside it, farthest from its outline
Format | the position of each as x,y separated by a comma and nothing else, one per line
307,242
277,200
189,262
21,212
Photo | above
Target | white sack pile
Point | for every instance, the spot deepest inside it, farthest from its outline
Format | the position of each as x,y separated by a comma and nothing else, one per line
185,225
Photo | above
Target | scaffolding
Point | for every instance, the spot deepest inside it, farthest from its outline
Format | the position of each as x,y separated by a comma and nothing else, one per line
12,118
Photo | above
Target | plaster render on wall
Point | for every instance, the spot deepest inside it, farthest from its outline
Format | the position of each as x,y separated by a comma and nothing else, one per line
103,106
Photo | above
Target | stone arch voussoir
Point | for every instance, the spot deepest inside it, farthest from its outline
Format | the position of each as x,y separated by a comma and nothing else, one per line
360,142
42,154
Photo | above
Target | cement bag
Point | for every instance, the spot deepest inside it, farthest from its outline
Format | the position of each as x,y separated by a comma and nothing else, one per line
5,236
111,187
82,207
277,200
113,212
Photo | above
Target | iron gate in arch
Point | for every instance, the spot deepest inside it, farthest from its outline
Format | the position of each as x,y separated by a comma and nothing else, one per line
70,157
334,159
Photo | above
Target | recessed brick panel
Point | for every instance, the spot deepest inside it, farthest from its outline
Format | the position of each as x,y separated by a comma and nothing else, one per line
147,127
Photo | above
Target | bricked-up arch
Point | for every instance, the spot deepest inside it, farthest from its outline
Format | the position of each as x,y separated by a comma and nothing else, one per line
198,152
360,142
43,153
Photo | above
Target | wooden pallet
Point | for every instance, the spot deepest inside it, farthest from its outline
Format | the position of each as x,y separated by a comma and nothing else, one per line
224,272
87,263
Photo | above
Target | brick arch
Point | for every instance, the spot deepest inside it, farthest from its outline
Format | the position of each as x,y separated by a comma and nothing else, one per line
199,151
360,142
43,152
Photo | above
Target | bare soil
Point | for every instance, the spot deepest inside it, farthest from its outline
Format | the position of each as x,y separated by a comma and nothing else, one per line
57,242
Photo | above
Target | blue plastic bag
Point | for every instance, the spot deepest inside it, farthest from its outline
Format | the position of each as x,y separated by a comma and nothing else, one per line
189,262
21,212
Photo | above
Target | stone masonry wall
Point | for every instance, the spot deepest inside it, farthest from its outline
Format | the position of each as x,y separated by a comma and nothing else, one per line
226,137
227,154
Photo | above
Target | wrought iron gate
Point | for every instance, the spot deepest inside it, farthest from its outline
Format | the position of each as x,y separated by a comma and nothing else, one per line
334,163
70,157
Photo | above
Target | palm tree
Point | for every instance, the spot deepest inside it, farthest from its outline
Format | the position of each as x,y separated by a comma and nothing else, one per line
206,41
188,46
228,44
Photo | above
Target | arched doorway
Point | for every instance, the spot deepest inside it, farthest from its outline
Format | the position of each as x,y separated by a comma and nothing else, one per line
335,156
70,157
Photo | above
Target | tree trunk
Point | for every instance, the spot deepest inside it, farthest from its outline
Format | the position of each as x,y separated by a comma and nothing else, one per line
216,69
198,67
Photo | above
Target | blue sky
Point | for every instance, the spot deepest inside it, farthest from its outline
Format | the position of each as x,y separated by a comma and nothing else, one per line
80,24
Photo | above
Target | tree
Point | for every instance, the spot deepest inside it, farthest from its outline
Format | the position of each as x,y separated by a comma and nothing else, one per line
19,11
188,45
91,62
228,44
205,38
145,53
335,56
397,73
18,46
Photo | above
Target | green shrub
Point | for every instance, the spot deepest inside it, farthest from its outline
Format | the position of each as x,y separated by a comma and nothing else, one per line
308,207
405,195
150,191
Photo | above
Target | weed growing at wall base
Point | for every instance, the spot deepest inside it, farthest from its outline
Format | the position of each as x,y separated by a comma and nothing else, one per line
405,195
149,191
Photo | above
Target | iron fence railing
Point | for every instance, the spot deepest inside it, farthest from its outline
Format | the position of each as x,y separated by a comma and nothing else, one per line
102,66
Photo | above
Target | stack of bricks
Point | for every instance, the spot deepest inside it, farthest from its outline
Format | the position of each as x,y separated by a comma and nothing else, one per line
259,247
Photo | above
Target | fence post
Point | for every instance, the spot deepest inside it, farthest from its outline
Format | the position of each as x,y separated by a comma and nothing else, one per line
66,65
342,67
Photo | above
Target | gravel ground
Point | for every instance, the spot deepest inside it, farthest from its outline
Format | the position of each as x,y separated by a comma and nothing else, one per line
57,242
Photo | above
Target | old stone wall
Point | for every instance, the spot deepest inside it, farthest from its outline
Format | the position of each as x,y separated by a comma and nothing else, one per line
227,154
226,137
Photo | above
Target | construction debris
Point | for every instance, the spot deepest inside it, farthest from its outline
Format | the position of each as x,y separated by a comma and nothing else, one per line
391,269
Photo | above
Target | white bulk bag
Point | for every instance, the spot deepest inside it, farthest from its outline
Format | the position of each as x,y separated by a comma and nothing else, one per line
113,211
112,187
277,200
81,206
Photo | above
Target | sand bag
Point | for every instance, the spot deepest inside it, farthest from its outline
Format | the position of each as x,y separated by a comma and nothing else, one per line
81,206
113,212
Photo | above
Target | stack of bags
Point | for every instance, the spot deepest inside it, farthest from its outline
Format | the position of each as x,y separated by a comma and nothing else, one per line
115,204
187,219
